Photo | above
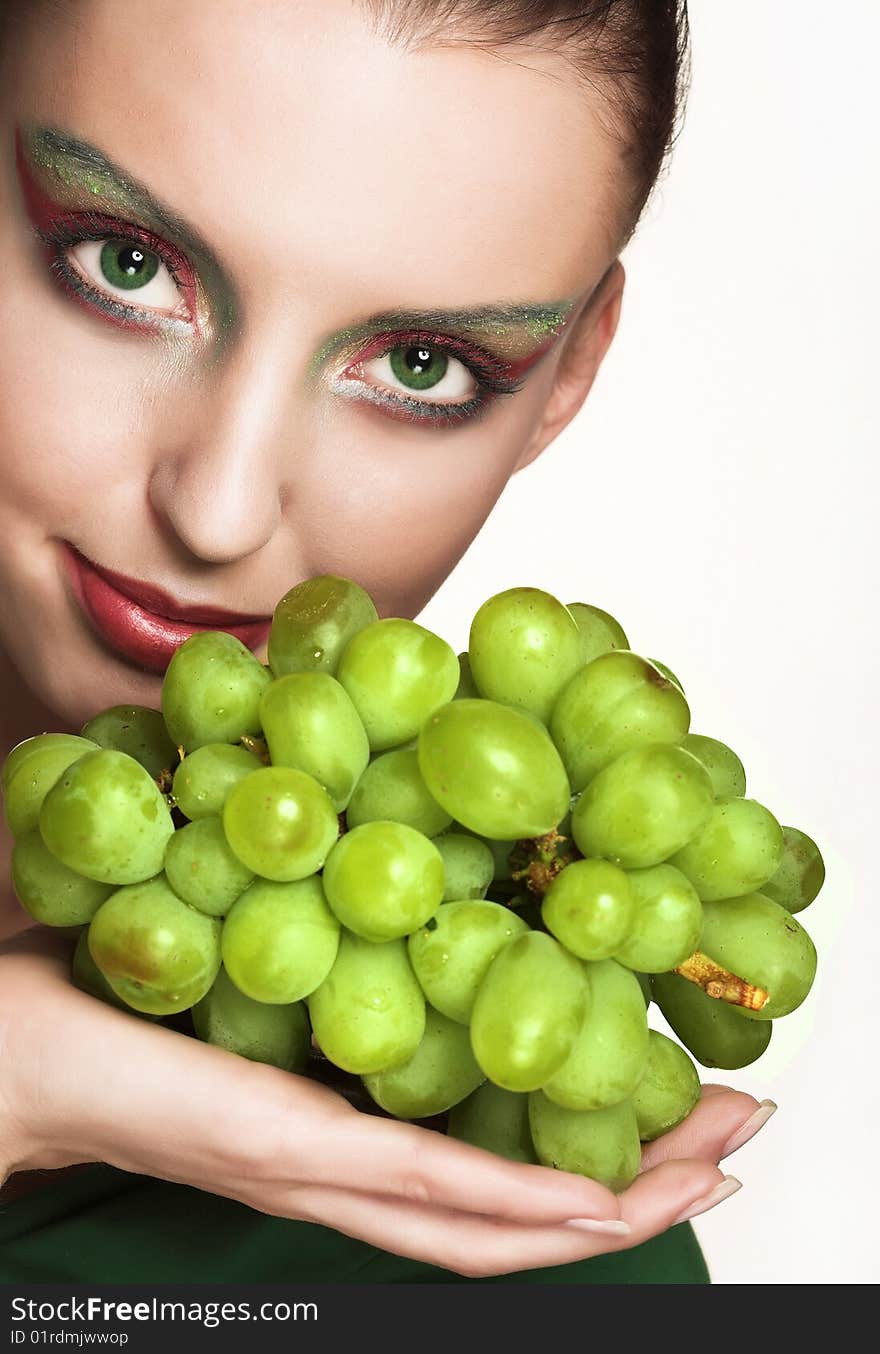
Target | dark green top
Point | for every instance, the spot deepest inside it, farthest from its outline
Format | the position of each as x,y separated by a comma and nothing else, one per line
101,1224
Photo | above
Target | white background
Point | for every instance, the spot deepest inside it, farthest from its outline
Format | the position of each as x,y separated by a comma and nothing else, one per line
718,494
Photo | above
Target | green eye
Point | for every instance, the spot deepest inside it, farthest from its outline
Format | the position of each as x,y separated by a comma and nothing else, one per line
417,366
127,264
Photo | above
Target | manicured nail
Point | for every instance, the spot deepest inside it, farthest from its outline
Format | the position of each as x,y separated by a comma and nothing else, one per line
723,1190
765,1111
604,1227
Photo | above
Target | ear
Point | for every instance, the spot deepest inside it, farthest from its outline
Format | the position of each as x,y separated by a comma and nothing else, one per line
585,346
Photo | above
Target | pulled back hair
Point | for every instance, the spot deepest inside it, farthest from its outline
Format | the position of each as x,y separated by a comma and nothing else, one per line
635,53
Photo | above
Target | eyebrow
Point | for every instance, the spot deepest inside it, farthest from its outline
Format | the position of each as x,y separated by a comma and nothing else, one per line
542,321
44,144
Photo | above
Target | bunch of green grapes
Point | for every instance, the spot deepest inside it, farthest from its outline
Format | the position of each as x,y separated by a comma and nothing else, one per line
461,880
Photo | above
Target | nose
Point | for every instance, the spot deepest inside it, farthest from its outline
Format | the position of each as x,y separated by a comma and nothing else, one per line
220,481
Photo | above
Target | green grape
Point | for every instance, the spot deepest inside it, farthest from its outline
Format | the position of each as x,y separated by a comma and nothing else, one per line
601,1144
667,673
31,769
314,622
397,674
310,724
202,868
277,1035
452,956
609,1054
497,1121
643,807
668,1091
86,975
280,823
598,631
800,875
524,646
528,1011
494,770
757,940
441,1072
41,743
392,789
725,769
467,687
105,818
617,702
384,880
711,1029
668,920
468,866
212,689
137,730
280,940
156,952
737,850
590,908
369,1012
205,777
48,890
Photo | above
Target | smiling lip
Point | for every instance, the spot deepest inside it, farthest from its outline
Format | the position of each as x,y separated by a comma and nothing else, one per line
144,624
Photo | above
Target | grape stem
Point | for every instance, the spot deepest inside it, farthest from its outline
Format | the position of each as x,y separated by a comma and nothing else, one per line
536,861
258,746
717,982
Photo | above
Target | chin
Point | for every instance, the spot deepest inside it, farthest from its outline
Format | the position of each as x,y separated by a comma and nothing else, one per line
69,671
94,681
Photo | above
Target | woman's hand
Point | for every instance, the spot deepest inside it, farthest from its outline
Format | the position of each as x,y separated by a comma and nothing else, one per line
84,1082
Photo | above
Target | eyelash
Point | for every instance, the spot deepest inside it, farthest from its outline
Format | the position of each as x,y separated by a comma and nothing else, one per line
74,229
493,376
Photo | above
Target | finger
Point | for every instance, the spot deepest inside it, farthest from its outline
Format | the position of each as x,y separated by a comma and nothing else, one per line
423,1166
658,1198
466,1243
706,1131
474,1246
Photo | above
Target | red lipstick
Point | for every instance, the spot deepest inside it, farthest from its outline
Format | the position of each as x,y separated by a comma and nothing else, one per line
142,622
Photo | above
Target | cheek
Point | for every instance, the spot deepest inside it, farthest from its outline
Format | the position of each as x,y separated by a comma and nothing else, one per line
70,432
399,506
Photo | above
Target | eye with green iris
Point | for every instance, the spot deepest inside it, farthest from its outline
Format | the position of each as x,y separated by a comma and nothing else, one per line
127,264
417,366
117,272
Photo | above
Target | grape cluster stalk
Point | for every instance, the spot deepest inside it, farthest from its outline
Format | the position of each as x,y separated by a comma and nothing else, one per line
459,880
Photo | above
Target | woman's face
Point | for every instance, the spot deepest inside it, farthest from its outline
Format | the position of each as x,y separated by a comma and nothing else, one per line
279,299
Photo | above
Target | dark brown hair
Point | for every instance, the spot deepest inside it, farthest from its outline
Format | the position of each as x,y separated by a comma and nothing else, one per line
635,52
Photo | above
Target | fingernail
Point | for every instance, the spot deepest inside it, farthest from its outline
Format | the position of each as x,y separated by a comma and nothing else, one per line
604,1227
723,1190
765,1111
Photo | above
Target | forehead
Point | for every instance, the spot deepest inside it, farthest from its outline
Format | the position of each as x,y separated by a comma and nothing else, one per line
301,144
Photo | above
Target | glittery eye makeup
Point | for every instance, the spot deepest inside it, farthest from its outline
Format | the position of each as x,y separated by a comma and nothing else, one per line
115,248
424,376
432,376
